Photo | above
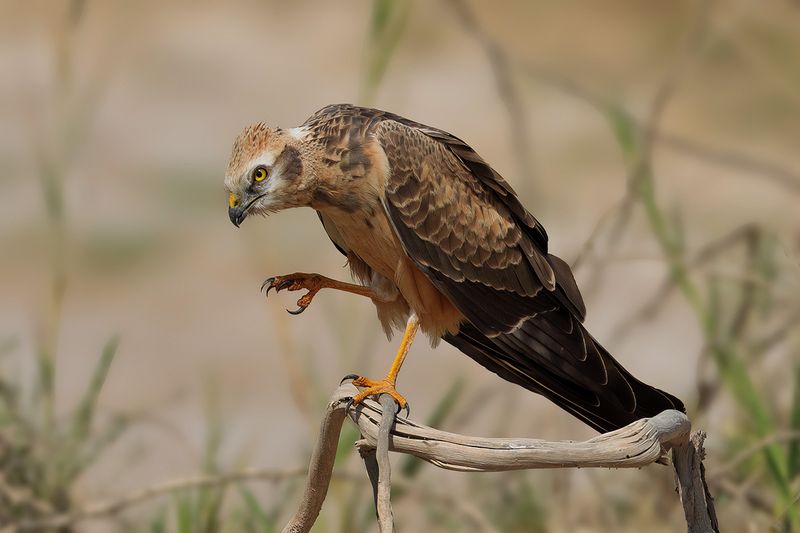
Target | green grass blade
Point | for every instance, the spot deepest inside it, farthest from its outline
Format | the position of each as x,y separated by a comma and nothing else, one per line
73,454
209,507
387,24
624,131
82,421
793,451
184,517
255,511
158,524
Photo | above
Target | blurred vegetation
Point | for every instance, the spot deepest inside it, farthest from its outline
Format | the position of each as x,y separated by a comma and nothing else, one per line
739,288
723,323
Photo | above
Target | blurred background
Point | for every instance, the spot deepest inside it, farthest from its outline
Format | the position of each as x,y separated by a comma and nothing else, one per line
658,142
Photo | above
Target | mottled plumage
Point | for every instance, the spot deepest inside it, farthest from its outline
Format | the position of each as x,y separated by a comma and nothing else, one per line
430,227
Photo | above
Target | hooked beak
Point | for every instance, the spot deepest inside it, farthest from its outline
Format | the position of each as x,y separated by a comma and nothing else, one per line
237,210
237,214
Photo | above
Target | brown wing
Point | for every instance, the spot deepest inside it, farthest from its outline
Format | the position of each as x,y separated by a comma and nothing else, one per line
469,236
464,227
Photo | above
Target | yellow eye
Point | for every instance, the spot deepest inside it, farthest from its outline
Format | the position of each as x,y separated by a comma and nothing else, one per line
260,174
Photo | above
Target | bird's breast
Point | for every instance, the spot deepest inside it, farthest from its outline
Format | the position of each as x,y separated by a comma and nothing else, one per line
368,234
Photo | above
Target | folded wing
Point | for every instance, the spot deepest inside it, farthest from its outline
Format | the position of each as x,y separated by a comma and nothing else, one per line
465,228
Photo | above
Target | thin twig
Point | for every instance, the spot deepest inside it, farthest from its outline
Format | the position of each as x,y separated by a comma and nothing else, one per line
779,334
711,250
112,507
744,163
748,165
756,500
501,63
273,475
750,451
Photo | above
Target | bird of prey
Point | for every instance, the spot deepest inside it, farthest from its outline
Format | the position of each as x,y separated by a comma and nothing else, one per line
440,242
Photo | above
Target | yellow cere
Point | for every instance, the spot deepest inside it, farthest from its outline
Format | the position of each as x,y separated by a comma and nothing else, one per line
232,200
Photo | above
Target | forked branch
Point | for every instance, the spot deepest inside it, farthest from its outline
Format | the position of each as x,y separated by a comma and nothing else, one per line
643,442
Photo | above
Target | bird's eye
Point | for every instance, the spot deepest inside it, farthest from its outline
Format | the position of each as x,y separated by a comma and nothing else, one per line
260,174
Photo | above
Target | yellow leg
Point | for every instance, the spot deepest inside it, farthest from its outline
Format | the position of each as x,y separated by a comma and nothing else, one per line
387,384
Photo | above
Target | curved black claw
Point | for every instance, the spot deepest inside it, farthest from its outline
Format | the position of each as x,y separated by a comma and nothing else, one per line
407,409
350,377
348,406
297,311
267,285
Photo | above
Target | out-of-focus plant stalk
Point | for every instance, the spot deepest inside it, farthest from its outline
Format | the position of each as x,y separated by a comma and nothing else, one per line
51,176
387,23
724,349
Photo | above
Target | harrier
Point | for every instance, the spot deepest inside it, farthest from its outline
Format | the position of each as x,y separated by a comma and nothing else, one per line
439,241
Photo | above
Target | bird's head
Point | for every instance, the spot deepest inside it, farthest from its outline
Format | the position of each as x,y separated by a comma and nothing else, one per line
265,173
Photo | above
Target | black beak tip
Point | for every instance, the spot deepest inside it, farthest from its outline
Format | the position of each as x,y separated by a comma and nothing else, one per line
236,216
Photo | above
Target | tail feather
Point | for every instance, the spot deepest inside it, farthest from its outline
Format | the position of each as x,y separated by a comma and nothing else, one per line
604,400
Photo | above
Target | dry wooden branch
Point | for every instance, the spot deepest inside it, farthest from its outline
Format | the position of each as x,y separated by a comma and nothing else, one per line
383,491
638,444
321,467
698,505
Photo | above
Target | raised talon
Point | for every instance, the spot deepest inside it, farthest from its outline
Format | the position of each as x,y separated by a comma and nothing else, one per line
294,282
350,377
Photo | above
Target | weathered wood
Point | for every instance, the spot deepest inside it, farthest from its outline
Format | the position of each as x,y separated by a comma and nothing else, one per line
643,442
383,502
698,505
321,467
638,444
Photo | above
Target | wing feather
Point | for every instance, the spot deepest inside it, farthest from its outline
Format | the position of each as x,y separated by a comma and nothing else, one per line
463,226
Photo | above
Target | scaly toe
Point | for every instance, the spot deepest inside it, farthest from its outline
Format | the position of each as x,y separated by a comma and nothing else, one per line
376,388
362,382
